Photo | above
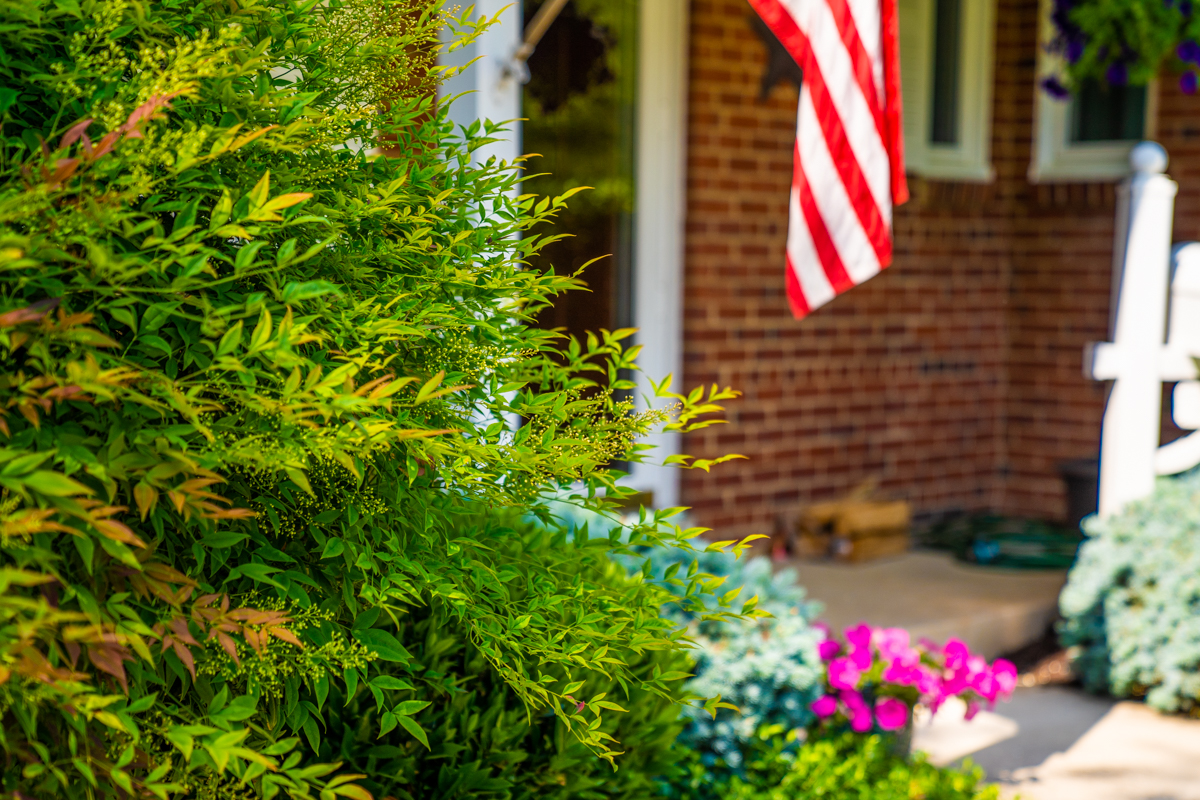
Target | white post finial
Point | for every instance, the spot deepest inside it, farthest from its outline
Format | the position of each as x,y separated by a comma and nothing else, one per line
1148,158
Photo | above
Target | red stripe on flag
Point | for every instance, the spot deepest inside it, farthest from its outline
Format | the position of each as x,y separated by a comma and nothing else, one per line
795,293
889,23
832,127
849,170
863,73
827,252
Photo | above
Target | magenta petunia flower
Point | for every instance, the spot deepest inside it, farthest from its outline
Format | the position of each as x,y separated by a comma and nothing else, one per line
891,713
955,653
972,710
859,639
843,674
1005,674
828,649
825,706
857,710
893,643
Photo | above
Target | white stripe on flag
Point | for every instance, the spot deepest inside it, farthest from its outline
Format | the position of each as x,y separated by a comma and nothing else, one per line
867,22
837,69
829,193
804,259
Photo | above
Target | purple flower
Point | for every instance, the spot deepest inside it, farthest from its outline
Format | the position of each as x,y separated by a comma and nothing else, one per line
828,649
1074,50
1117,74
1187,82
891,714
1189,52
825,706
843,674
857,710
1054,87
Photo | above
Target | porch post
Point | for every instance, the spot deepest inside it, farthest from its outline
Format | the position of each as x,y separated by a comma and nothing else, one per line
1130,433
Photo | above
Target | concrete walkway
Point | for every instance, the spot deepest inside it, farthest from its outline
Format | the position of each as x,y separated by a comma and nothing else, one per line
931,594
1060,743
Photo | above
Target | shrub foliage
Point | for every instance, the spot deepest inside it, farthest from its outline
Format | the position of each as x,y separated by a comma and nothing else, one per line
1131,605
264,330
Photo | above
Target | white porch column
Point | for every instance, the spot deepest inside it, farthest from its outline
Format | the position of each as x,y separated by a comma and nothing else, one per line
661,198
495,88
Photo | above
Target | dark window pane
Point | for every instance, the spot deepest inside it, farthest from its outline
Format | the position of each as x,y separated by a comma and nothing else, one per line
579,108
1103,113
947,38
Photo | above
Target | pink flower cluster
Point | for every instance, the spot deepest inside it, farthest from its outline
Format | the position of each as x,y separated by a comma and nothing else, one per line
882,663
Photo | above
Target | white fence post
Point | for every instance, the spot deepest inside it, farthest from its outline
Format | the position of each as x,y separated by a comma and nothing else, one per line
1130,433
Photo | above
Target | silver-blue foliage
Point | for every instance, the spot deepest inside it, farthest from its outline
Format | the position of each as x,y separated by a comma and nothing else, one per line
1132,601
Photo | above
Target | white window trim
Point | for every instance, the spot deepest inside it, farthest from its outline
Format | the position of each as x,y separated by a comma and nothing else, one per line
1055,159
970,158
659,223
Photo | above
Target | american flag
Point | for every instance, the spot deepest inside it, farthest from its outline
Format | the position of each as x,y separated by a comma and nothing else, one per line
849,159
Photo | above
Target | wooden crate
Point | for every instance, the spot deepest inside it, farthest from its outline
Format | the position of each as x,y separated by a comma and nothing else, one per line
854,529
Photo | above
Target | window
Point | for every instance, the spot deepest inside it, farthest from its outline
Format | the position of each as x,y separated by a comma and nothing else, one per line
946,71
1088,136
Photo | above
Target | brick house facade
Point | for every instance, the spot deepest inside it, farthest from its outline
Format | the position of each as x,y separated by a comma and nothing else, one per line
955,376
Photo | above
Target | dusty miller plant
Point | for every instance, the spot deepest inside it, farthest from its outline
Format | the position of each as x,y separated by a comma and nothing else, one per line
264,328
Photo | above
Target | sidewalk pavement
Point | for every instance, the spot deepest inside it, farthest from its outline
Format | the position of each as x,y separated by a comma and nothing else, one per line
1060,743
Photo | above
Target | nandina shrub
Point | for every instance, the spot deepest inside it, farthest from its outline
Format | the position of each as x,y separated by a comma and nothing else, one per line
264,330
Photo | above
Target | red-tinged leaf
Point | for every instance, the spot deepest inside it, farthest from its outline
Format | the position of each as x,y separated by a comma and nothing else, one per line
64,169
284,635
73,651
255,639
117,531
146,497
179,627
205,600
108,658
165,572
106,144
178,499
185,656
74,133
229,646
31,313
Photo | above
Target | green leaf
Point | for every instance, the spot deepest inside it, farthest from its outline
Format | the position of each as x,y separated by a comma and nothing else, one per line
257,572
389,682
409,724
54,484
333,548
383,644
306,290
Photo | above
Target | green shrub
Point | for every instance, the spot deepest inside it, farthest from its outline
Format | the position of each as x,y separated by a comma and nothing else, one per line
482,740
262,327
848,767
1132,602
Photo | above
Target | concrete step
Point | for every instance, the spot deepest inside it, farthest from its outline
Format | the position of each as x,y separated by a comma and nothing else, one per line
931,594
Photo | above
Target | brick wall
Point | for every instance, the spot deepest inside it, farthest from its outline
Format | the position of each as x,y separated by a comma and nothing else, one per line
954,377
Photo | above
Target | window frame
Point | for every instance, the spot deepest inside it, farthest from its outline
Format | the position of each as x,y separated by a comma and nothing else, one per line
968,160
1056,159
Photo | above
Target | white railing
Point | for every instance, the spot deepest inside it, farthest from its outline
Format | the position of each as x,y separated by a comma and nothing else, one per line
1145,352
